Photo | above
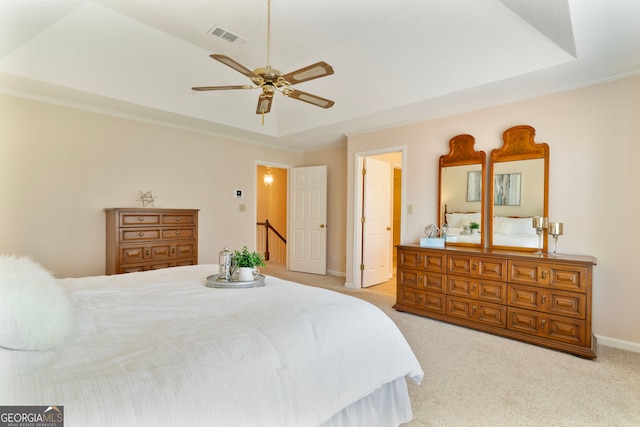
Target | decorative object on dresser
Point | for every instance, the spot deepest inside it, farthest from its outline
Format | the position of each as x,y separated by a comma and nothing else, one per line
555,229
141,239
147,198
540,223
520,295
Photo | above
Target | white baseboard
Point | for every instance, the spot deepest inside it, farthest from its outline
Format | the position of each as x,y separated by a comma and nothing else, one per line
621,344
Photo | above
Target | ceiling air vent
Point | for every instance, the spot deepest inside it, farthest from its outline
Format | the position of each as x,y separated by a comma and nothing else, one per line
223,34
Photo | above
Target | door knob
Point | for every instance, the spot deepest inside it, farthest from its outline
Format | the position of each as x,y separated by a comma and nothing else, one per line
388,228
321,225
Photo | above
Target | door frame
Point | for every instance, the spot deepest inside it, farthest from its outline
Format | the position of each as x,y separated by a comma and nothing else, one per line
255,195
357,204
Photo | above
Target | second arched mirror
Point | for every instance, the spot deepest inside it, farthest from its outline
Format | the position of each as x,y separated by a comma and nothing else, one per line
519,187
461,196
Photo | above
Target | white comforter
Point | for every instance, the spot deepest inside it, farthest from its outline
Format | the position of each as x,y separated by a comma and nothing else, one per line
159,348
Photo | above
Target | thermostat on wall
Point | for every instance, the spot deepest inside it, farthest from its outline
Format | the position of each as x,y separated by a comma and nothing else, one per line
238,194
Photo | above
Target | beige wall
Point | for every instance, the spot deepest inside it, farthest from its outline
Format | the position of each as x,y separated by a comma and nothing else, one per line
594,152
335,159
60,167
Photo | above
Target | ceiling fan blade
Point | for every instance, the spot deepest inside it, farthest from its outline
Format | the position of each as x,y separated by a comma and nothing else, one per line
311,99
203,88
317,70
264,103
235,65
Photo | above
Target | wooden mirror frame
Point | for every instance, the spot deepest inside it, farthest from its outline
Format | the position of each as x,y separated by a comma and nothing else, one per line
518,144
463,153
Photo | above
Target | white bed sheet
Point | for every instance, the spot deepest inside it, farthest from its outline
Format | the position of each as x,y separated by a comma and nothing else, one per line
159,348
499,239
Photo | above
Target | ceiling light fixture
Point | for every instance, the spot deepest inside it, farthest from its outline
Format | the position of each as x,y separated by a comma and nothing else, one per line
268,177
271,80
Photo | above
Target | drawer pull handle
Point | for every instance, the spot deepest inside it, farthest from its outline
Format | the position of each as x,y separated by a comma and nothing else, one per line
475,265
544,299
544,274
177,218
177,232
473,309
147,252
141,219
420,299
173,250
544,322
141,234
474,287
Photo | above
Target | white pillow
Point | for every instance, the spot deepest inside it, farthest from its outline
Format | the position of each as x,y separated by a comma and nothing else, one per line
522,225
506,225
501,226
35,312
457,220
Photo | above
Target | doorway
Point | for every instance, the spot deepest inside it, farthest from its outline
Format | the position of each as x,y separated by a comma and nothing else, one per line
271,213
368,246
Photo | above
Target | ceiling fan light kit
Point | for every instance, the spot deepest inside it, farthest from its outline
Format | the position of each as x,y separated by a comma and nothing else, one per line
271,80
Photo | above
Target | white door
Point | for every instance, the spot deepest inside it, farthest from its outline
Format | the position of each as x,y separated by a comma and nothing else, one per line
307,239
376,225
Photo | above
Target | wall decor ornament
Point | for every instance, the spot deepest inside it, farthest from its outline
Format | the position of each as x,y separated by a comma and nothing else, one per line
507,189
147,198
474,186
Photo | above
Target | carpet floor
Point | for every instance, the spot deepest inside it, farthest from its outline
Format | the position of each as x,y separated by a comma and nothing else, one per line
477,379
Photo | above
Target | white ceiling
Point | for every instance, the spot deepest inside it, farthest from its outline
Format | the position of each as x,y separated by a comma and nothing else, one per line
395,61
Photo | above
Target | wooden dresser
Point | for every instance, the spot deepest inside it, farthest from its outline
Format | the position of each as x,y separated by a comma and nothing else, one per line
141,239
541,300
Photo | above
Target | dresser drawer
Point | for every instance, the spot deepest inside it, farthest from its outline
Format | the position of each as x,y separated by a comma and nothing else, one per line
183,250
133,220
559,328
431,301
488,268
560,276
478,311
484,290
421,280
130,254
563,303
431,261
139,234
178,233
178,219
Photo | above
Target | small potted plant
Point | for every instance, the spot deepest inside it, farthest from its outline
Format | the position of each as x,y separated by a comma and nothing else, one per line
474,227
248,263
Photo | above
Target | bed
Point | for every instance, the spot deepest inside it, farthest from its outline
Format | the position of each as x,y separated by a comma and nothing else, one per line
507,230
160,348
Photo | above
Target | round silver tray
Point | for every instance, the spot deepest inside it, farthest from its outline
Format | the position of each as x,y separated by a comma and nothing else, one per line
213,282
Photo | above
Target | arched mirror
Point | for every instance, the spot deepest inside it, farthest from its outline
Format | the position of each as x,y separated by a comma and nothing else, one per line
461,197
519,187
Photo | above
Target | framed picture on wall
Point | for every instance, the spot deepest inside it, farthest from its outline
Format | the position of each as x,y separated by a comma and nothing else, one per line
507,189
474,186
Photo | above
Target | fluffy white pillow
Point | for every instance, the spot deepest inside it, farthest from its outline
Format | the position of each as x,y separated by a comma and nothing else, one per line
35,312
457,220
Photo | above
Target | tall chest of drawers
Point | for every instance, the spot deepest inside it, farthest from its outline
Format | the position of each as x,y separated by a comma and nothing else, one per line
140,239
541,300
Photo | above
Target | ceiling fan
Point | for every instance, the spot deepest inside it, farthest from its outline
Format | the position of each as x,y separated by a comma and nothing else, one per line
271,80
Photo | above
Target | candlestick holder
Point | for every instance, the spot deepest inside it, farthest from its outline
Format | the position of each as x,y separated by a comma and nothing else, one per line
540,223
555,229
